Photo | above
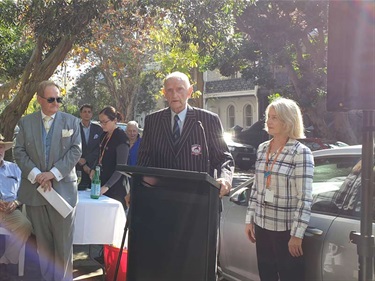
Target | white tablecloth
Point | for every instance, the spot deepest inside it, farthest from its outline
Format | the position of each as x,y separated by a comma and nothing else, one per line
98,221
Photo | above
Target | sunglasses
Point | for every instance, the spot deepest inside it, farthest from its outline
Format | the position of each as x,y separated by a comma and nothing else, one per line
51,100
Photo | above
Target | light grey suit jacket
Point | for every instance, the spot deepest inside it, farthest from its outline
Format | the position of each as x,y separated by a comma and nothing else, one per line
65,152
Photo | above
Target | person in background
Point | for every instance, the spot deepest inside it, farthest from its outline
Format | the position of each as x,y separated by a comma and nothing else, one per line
132,131
48,146
90,134
11,216
114,150
280,200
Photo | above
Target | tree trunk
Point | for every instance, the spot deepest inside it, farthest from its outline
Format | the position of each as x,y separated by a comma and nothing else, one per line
343,129
37,70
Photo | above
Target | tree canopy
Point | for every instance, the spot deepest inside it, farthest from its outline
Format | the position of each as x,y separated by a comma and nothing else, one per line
53,27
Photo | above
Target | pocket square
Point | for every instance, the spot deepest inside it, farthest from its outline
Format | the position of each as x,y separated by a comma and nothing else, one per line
96,136
67,133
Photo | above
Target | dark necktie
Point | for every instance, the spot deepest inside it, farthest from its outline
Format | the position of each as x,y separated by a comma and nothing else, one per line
176,129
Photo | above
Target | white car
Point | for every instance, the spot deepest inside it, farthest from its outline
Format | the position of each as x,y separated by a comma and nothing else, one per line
329,254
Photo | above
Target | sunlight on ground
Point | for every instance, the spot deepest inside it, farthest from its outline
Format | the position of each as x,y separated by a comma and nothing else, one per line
92,276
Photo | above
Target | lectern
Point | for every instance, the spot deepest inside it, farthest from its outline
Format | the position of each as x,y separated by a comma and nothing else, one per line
172,225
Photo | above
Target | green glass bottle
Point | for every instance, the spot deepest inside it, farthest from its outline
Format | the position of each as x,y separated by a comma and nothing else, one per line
96,184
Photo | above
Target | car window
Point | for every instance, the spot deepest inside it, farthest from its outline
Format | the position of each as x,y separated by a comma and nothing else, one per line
334,186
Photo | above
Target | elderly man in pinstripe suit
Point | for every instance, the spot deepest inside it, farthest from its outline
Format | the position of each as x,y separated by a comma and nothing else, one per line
184,137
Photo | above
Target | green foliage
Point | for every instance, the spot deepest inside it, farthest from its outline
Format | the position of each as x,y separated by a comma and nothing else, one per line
90,89
15,46
273,97
291,34
193,34
148,90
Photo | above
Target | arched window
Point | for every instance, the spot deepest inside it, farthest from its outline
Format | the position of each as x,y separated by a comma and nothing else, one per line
248,115
230,116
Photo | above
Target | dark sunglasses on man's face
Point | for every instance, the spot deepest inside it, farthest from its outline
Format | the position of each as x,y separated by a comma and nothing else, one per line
51,100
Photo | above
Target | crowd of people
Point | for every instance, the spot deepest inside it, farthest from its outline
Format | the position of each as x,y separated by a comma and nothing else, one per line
52,145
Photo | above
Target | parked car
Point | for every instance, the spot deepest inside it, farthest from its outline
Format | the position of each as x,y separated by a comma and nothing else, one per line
318,143
329,255
256,134
244,155
122,126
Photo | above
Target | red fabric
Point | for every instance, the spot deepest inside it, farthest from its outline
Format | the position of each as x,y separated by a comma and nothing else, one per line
110,260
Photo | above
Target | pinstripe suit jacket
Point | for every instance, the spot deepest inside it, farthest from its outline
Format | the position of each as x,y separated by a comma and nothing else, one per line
157,149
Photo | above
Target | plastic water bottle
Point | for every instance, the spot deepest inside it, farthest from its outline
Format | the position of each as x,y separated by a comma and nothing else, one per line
96,184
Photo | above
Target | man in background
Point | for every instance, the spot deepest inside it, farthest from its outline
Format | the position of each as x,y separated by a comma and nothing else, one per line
48,146
11,217
90,135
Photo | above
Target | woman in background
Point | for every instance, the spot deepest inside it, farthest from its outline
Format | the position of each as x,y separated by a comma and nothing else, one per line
114,150
132,131
280,200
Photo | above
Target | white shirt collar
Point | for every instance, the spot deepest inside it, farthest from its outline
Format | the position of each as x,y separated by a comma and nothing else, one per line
44,115
181,115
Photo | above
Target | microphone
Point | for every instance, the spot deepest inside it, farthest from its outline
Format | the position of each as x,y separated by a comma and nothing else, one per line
206,146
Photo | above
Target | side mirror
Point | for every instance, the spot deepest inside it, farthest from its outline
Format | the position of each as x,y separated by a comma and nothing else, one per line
325,206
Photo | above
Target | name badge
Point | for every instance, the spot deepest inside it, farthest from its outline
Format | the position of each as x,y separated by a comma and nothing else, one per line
269,196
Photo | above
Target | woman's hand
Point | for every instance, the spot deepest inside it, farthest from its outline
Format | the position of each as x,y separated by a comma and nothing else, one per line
103,189
250,232
127,200
295,246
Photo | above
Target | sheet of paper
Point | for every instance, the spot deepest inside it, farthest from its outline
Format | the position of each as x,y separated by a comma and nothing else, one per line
56,201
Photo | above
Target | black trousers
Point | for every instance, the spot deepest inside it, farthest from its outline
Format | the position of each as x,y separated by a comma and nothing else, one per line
274,260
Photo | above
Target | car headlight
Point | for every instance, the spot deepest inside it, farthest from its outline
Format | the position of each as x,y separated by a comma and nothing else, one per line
231,148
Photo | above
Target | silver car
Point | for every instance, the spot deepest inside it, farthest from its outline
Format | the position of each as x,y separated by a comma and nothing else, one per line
328,252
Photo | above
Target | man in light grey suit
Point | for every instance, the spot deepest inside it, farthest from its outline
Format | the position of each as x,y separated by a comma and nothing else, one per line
48,146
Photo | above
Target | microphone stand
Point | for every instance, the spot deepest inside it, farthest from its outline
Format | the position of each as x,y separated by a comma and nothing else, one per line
208,167
122,244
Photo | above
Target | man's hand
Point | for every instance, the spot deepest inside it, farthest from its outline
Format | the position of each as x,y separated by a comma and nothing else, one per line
250,232
45,180
224,187
295,246
8,207
3,206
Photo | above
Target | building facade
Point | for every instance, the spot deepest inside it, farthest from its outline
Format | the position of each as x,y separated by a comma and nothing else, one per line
234,99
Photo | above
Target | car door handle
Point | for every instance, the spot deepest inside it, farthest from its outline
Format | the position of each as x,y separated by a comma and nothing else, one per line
313,231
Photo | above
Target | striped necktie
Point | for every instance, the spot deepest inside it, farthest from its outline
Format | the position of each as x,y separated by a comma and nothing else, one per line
176,129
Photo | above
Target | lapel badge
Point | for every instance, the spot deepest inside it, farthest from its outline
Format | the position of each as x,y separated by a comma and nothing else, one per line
196,149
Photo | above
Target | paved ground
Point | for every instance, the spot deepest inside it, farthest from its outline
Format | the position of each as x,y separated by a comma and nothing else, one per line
83,267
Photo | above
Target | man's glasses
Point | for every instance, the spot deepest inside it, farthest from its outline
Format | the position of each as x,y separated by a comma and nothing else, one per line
51,100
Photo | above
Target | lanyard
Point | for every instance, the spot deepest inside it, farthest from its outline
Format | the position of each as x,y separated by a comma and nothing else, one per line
104,147
267,172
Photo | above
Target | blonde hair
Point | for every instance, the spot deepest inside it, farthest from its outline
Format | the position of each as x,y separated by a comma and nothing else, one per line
43,85
290,114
